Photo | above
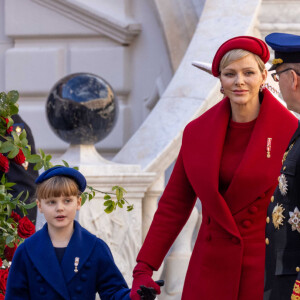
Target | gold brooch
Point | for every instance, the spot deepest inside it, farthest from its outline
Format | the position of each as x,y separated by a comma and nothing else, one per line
277,215
277,61
76,263
294,219
269,144
283,185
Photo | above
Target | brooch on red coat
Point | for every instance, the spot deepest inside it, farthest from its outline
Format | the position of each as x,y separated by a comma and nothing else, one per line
277,216
294,219
269,142
283,184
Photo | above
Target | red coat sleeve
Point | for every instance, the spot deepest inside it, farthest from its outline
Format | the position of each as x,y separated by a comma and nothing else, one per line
174,209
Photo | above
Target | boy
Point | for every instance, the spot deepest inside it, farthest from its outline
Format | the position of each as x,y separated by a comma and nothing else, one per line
63,260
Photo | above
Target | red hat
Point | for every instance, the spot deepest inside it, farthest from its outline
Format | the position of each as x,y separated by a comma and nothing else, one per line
248,43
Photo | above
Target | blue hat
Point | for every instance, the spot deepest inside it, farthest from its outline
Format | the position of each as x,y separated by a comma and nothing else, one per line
63,171
286,47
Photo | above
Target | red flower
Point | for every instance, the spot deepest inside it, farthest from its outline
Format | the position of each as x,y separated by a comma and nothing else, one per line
0,262
19,159
9,129
4,164
9,252
16,217
25,228
2,297
3,279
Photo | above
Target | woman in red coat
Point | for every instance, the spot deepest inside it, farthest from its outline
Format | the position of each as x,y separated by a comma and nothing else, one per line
230,159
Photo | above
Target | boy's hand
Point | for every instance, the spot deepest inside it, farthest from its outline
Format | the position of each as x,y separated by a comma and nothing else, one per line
149,293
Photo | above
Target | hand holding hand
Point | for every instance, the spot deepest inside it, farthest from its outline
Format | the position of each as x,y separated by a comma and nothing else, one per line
142,274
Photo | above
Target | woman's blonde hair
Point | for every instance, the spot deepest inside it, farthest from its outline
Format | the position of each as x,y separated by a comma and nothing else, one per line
237,54
57,186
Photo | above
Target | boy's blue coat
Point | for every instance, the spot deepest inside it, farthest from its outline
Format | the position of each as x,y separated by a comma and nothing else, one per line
36,274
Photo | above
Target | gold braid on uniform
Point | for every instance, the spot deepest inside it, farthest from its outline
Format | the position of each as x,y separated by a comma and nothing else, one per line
296,291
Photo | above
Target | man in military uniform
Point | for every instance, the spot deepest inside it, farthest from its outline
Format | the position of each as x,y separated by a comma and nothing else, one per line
282,272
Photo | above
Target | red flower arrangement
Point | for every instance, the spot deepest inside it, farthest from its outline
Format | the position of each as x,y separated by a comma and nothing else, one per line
20,228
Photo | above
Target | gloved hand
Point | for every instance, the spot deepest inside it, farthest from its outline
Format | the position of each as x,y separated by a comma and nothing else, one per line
149,293
142,274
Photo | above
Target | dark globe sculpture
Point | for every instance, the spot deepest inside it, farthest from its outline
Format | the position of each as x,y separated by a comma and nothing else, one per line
82,108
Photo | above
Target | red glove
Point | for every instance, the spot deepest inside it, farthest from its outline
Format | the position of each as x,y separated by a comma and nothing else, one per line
142,274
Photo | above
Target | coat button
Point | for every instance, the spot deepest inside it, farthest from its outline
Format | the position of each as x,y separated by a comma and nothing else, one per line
284,168
42,291
39,278
272,199
83,277
78,289
246,223
297,269
268,220
235,240
208,237
263,195
253,209
267,241
87,265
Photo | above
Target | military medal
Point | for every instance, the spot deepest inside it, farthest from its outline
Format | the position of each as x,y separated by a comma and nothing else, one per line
294,219
269,142
277,216
283,185
76,263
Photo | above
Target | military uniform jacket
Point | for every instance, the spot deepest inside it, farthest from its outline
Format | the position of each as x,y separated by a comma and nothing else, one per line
228,257
36,274
283,228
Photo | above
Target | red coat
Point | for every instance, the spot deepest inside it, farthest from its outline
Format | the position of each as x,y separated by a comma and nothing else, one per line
228,257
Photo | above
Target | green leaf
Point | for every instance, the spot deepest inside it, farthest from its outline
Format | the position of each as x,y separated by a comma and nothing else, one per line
30,205
83,198
23,134
106,197
13,96
90,197
26,152
13,152
120,204
38,166
108,203
9,239
16,137
65,163
109,209
34,158
129,207
42,153
6,147
9,184
119,194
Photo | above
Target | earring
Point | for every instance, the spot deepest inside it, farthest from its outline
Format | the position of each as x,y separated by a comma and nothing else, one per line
261,88
222,90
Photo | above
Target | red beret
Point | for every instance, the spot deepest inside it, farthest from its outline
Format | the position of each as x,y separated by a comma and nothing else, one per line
248,43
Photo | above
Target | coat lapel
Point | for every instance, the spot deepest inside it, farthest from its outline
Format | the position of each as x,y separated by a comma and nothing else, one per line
202,151
81,245
257,173
41,252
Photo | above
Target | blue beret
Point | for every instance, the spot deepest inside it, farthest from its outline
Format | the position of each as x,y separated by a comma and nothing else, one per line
286,47
63,171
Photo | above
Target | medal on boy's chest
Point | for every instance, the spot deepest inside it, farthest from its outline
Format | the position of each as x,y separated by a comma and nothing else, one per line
76,263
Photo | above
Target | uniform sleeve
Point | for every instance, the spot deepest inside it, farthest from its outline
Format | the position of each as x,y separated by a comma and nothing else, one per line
17,284
111,284
174,209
